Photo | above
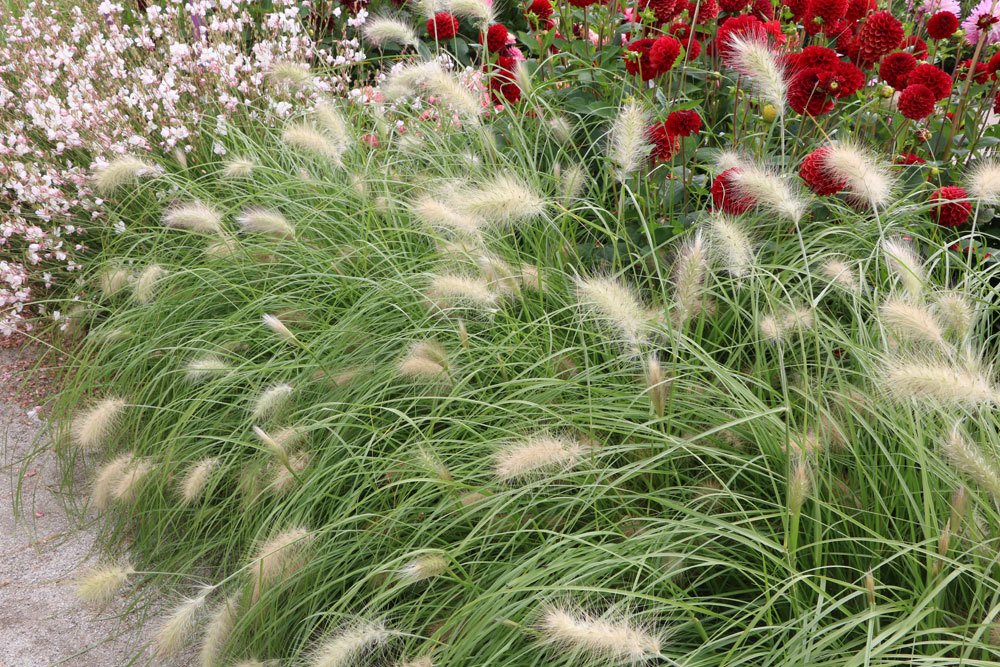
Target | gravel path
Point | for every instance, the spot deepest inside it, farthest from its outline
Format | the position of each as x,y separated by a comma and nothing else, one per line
41,621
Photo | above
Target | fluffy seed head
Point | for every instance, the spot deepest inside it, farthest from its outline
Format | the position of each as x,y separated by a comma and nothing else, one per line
868,182
657,385
956,313
329,118
751,56
911,321
690,268
217,633
382,30
307,138
145,286
840,273
424,567
93,427
777,327
504,200
628,144
968,459
536,455
238,168
345,647
425,661
205,368
611,638
937,383
480,11
436,214
273,323
100,584
108,478
196,478
283,476
178,626
128,485
295,75
768,191
572,183
113,280
431,78
224,246
271,401
451,290
616,305
799,485
279,557
195,217
905,264
123,171
984,182
426,360
731,245
266,221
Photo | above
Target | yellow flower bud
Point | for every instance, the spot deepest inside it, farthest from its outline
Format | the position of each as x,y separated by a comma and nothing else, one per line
769,113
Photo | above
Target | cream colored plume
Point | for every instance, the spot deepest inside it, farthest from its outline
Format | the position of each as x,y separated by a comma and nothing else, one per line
751,56
505,200
840,273
479,11
436,214
450,290
271,401
108,477
206,367
617,306
193,483
905,264
426,360
178,627
100,584
306,137
610,637
956,312
382,30
731,246
536,455
92,428
194,217
266,221
279,557
296,75
938,383
911,321
768,190
984,182
628,143
217,632
126,170
869,181
144,289
238,168
431,78
423,567
690,269
969,459
347,646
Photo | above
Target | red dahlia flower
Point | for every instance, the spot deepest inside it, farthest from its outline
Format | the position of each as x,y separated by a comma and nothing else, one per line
813,90
443,26
540,8
725,195
881,33
829,11
948,212
798,8
914,45
916,102
747,26
909,159
896,67
637,59
934,78
859,9
496,38
707,10
812,56
993,64
815,174
663,53
733,6
503,87
582,3
762,9
683,123
942,25
665,143
982,71
665,10
996,104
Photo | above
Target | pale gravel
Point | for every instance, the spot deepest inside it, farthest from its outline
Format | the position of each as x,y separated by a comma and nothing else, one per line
41,552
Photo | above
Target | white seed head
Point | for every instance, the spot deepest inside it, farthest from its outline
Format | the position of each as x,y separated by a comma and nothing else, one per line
305,137
731,245
562,129
238,168
144,289
840,273
283,476
91,429
984,182
799,484
206,367
279,557
905,264
769,191
273,323
100,584
271,401
293,74
617,306
348,645
775,328
911,321
969,459
329,119
956,312
266,221
196,478
690,269
217,632
126,170
505,200
195,217
430,78
536,455
113,280
938,383
382,30
628,144
436,214
751,56
869,182
426,360
610,637
480,11
423,567
130,483
572,183
177,628
450,290
107,479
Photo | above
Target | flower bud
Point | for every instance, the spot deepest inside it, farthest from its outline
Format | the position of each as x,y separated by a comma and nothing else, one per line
886,91
769,113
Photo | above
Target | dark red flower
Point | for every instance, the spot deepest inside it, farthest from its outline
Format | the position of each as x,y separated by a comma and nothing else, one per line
443,26
837,29
817,177
503,87
733,6
725,196
665,143
663,53
942,25
896,67
496,38
744,25
813,90
914,45
828,10
707,10
637,59
908,159
996,104
683,123
763,9
982,71
812,56
666,10
582,3
542,9
948,212
693,49
934,78
859,9
916,101
798,8
881,33
994,64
